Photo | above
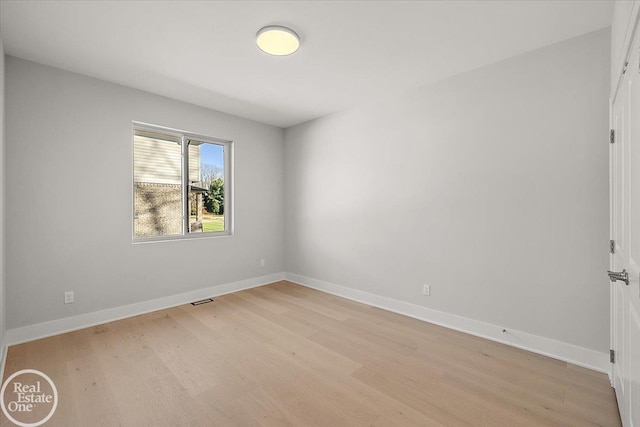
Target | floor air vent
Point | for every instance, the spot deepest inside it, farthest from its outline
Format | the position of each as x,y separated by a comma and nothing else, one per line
202,301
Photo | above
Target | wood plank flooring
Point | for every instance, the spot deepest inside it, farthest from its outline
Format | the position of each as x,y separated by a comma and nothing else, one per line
285,355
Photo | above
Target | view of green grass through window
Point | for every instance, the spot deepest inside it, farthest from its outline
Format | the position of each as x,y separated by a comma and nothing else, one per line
170,169
206,191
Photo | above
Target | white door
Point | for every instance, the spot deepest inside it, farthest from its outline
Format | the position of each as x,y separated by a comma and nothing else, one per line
625,231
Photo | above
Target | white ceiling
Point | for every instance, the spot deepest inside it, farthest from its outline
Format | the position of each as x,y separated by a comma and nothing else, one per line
352,52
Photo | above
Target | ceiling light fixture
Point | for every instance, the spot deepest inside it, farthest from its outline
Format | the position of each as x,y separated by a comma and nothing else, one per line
277,40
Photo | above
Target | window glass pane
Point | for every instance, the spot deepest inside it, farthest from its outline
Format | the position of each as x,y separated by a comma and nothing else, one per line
157,176
206,187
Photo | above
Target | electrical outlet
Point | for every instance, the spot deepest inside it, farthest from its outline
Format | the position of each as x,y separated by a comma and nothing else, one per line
68,297
426,289
263,263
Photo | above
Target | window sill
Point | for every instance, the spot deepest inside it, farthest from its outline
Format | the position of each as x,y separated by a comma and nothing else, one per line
157,239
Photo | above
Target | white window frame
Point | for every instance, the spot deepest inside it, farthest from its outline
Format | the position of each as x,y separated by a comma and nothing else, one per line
185,137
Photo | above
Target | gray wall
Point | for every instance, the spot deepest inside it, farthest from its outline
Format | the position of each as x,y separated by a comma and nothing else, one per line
2,223
491,186
69,183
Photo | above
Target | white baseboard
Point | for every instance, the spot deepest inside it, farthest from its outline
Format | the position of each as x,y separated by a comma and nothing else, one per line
556,349
59,326
3,356
546,346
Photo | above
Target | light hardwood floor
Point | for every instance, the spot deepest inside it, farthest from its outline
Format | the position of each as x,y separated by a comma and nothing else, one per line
283,354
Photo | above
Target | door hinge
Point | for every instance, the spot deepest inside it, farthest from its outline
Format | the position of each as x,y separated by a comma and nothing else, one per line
612,136
612,246
612,356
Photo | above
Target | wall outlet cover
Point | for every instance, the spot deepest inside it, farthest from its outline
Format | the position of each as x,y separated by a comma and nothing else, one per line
68,297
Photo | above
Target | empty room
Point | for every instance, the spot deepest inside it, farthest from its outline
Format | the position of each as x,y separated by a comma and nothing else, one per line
320,213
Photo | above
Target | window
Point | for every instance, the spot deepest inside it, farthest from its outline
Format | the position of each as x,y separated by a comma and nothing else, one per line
181,184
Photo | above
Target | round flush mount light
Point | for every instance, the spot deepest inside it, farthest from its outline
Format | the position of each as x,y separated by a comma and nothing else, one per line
277,40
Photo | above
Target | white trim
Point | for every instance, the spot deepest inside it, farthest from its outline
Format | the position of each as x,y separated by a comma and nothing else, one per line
611,235
632,23
558,350
68,324
3,356
546,346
